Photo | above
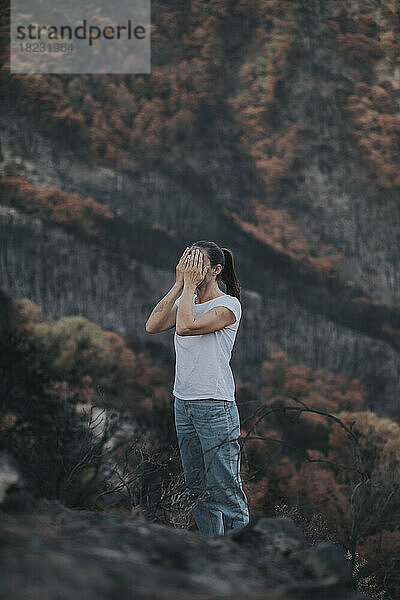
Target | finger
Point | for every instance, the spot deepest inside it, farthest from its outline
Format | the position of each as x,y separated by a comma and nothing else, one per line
184,254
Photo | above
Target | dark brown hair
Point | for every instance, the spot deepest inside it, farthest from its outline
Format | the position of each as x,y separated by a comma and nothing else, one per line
224,257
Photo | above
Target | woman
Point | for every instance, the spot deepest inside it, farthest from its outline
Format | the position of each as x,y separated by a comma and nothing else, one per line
206,415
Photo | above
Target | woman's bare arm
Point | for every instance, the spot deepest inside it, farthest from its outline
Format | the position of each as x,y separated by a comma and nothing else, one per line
163,315
213,320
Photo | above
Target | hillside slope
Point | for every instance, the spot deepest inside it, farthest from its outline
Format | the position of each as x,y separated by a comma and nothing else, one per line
270,127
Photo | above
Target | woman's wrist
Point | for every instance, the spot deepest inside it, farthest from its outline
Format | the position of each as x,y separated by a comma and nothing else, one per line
189,286
178,285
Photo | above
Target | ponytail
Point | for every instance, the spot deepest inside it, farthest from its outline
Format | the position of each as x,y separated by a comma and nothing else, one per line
228,275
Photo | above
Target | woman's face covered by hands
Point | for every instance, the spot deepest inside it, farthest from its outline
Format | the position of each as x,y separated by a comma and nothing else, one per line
197,266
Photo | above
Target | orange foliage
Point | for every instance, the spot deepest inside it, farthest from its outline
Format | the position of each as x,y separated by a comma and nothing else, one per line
128,379
118,353
280,231
377,130
52,204
127,120
69,118
374,107
386,568
277,229
259,80
315,488
256,493
328,265
27,313
321,483
153,382
318,389
379,444
359,47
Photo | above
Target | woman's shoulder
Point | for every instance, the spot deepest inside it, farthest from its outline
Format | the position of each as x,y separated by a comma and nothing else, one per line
228,297
234,299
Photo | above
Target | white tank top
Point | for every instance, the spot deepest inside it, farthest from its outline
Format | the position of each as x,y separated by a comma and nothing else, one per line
202,368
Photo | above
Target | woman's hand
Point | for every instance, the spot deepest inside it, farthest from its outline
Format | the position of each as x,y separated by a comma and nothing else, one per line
180,267
194,271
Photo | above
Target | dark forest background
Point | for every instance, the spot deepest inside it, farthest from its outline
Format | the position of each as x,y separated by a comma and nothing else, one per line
273,128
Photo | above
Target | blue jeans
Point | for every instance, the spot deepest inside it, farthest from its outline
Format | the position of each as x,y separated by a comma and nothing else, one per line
207,432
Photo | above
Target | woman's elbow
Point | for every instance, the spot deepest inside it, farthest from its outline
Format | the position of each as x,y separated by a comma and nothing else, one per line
186,331
149,329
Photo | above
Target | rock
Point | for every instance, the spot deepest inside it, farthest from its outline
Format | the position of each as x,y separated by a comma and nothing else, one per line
54,552
275,534
327,557
14,495
9,475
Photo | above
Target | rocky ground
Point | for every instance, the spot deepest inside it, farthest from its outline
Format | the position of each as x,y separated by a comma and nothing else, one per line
53,552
